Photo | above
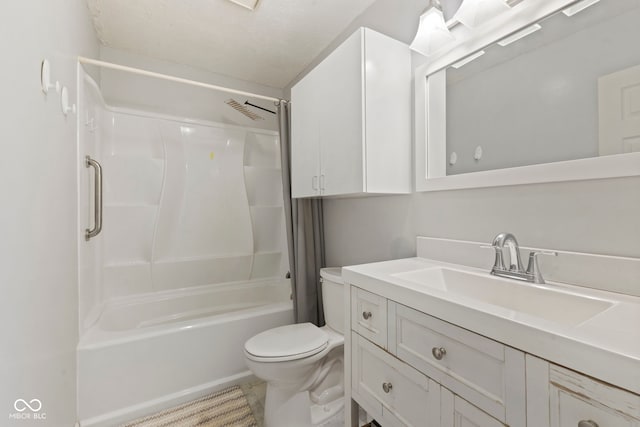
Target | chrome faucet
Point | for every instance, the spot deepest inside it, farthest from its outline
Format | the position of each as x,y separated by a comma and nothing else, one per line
515,270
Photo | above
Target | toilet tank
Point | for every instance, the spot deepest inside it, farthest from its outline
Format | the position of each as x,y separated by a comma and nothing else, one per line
333,298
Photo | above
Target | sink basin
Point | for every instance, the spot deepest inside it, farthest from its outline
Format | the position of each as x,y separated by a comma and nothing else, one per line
554,305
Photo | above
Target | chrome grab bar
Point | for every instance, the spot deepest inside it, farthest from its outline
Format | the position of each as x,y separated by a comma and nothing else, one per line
97,199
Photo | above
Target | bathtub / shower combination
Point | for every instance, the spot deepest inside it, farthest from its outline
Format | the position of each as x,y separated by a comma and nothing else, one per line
190,264
148,353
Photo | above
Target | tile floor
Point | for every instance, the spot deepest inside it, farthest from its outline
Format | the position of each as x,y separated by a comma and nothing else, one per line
255,393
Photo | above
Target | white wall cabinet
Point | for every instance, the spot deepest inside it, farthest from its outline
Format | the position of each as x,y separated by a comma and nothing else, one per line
351,120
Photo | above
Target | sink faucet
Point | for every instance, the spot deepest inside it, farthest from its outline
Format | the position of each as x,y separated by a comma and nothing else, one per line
514,270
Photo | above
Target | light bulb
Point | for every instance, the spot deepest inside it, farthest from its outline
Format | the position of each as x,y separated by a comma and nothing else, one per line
473,13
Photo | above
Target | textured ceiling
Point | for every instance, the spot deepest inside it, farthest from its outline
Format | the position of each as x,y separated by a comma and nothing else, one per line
269,45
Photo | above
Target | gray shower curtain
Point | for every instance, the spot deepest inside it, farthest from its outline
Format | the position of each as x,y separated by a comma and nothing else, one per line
305,235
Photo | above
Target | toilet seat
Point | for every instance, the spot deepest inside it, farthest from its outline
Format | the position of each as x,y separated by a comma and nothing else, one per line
285,343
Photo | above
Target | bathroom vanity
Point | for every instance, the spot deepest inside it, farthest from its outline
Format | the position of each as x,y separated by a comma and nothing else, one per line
439,344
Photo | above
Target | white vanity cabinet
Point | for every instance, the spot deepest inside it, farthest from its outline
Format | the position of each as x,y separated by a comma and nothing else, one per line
501,352
408,368
411,369
560,397
351,120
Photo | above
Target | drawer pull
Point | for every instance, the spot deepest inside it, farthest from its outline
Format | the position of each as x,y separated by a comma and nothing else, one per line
387,388
366,315
439,352
587,423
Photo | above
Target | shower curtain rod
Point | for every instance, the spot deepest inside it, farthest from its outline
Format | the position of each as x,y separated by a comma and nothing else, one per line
89,61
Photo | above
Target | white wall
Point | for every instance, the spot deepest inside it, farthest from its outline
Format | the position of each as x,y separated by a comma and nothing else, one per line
38,266
599,216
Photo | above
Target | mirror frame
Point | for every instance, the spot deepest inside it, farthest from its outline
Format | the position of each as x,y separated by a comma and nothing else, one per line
430,116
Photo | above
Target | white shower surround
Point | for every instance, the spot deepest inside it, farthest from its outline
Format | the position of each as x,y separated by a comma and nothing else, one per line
186,203
192,254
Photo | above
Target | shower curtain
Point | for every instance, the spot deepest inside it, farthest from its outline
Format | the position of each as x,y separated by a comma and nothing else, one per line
305,235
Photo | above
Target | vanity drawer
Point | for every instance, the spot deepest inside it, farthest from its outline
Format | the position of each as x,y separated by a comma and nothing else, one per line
393,392
369,316
487,373
575,398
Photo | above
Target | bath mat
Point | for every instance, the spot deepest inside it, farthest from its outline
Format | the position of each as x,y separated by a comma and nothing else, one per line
226,408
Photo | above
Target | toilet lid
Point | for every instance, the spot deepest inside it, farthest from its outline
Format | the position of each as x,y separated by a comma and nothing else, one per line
287,342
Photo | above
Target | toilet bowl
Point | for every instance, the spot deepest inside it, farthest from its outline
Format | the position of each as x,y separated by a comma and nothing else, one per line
302,365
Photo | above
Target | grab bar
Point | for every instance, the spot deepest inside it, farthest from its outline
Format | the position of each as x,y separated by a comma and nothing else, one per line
97,199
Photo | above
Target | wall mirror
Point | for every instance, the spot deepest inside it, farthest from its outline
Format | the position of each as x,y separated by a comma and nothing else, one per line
559,103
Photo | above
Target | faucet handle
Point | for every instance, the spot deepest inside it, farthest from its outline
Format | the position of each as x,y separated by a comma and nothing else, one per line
498,264
533,269
550,253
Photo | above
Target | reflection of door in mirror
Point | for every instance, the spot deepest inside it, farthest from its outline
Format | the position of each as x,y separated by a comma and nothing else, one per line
619,112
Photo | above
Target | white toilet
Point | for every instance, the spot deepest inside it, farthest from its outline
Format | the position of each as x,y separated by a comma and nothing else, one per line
303,365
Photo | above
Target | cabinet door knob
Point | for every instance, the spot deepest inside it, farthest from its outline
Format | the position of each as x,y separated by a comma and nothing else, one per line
587,423
387,387
439,352
366,315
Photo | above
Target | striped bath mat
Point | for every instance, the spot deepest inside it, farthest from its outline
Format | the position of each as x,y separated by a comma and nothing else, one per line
228,407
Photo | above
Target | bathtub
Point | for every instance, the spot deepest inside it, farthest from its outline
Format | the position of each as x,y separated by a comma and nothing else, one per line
150,352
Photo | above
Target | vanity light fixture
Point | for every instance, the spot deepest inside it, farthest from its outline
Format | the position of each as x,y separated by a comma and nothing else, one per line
433,33
520,34
579,7
473,13
468,59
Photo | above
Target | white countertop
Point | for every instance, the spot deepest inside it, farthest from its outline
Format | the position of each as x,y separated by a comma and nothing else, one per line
606,346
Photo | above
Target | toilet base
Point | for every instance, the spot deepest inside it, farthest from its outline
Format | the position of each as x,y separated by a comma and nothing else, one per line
288,407
328,415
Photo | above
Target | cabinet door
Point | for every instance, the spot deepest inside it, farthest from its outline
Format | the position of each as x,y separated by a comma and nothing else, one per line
457,412
341,115
388,118
393,392
305,135
577,400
